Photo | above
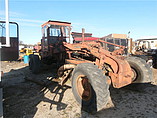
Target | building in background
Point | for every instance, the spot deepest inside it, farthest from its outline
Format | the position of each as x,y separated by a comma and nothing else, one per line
77,37
148,42
119,39
116,36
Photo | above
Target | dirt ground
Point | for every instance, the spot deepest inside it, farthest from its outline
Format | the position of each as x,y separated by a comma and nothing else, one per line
47,99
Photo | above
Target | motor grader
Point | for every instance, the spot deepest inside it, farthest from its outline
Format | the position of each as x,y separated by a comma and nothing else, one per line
91,68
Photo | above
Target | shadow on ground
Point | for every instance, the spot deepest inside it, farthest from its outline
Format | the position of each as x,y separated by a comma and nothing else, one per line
21,97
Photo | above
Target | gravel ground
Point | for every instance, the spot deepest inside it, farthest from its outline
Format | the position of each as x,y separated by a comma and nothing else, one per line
47,99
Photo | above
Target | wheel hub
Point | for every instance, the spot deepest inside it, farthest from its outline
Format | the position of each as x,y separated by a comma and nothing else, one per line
83,87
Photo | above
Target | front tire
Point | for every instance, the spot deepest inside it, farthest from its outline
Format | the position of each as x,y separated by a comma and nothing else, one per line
34,64
90,88
30,61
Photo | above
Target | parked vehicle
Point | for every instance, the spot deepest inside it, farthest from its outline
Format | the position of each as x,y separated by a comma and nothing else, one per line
10,53
92,69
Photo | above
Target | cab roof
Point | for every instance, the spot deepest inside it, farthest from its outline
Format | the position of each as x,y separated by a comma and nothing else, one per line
52,22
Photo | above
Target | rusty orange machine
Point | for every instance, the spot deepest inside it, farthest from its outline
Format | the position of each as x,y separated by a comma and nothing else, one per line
92,69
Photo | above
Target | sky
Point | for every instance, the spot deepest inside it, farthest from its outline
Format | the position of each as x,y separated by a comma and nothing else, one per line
99,17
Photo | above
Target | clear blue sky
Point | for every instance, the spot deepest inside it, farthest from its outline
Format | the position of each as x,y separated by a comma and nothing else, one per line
97,17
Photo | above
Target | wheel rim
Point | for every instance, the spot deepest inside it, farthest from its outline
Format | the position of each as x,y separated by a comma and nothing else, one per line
83,87
134,74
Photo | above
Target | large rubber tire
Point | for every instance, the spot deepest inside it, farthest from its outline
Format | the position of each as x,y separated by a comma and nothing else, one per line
155,61
35,64
30,61
99,88
141,68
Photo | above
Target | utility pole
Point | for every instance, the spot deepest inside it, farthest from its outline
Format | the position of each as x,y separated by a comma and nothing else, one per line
7,23
6,45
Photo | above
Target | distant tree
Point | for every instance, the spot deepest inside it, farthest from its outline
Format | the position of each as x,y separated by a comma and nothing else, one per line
20,42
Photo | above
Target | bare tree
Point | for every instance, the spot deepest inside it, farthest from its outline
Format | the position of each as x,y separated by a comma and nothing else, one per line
20,42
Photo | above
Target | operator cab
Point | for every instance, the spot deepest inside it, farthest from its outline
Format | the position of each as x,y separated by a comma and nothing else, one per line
54,33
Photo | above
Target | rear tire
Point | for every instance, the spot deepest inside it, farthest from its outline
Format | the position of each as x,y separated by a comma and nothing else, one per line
95,87
142,70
